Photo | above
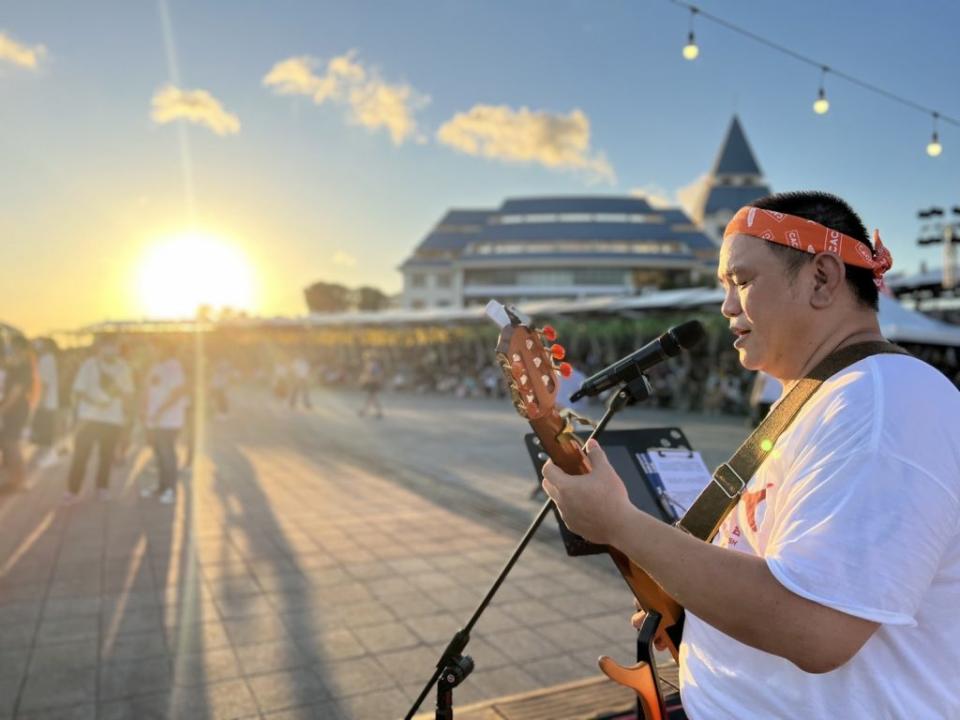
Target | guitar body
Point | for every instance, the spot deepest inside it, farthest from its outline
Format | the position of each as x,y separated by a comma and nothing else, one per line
531,376
641,677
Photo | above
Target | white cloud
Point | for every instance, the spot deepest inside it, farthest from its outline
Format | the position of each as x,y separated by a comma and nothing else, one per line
689,197
556,141
655,196
692,195
371,101
343,259
20,54
196,106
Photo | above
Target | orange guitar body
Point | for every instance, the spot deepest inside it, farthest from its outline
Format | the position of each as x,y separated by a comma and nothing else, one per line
642,679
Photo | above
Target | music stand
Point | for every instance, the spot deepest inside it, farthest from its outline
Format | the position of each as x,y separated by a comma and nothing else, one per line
621,448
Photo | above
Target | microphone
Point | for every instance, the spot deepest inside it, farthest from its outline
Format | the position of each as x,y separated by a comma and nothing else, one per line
681,337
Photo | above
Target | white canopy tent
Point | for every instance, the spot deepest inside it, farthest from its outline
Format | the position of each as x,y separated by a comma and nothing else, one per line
897,322
901,324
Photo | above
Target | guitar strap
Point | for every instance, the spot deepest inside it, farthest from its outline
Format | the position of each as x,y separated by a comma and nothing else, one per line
719,497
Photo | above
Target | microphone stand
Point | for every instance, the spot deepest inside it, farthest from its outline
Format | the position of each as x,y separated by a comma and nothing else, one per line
454,667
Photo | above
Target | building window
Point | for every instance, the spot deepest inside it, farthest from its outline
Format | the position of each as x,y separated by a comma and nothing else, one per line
444,280
417,305
545,278
442,303
596,247
418,280
602,217
490,277
600,276
548,277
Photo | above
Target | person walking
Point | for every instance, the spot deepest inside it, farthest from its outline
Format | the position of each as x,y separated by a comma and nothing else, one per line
219,388
371,380
18,383
101,387
164,414
45,426
300,382
766,391
121,449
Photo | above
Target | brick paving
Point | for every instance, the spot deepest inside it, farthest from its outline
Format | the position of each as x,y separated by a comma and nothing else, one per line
314,566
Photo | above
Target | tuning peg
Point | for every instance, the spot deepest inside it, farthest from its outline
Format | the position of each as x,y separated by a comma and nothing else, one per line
549,333
566,369
558,352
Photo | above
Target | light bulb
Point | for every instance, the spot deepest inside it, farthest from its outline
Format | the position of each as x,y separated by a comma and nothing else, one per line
821,105
690,50
934,148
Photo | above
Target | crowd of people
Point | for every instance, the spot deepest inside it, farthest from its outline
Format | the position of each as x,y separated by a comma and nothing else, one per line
92,403
708,380
467,369
103,400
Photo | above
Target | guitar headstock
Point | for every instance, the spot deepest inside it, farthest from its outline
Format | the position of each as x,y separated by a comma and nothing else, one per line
529,366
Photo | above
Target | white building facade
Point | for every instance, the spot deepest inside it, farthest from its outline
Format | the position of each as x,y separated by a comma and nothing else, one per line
573,247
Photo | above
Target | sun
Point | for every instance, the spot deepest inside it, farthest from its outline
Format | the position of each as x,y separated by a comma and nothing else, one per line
180,273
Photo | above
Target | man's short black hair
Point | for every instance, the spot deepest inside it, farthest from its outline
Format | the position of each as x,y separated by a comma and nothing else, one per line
834,213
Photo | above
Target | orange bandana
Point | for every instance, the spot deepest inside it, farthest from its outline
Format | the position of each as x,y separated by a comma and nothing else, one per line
801,234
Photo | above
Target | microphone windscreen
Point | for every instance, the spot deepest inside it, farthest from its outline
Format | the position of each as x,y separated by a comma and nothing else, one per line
688,334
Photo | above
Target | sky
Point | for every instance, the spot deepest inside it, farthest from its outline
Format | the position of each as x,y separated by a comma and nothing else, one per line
321,140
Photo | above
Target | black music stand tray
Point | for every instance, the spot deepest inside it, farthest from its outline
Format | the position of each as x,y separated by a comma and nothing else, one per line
621,447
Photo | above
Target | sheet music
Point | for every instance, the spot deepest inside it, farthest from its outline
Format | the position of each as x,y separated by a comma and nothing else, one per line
680,475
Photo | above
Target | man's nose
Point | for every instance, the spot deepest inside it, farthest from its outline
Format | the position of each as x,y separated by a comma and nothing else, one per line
731,303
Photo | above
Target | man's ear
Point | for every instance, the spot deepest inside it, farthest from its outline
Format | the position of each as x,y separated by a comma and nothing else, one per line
828,277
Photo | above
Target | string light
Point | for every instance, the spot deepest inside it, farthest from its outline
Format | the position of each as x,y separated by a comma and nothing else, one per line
934,148
821,105
690,50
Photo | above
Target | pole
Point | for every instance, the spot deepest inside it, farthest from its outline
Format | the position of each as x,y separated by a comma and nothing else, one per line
949,258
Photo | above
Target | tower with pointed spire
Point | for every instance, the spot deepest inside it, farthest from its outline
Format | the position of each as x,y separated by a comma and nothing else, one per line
735,181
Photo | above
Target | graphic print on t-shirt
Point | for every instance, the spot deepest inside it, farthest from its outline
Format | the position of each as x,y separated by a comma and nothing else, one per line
751,503
752,506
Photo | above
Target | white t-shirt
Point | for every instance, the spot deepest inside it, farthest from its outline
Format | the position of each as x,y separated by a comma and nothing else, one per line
47,370
301,369
858,509
767,389
164,379
95,402
568,386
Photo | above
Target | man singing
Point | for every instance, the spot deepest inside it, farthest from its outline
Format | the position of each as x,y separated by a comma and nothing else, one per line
832,589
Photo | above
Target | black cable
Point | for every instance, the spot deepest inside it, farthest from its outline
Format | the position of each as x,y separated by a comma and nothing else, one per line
810,61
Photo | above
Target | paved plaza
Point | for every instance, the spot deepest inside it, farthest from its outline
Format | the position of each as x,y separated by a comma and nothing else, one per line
314,566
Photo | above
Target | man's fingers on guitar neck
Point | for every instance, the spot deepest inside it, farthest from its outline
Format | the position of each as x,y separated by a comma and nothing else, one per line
637,620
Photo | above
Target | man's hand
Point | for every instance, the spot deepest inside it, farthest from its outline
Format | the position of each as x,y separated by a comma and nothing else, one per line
637,620
594,505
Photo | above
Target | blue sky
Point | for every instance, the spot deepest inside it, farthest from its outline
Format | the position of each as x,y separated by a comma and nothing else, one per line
310,193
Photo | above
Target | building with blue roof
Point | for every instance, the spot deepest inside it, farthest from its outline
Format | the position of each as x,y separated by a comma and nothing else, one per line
735,180
571,247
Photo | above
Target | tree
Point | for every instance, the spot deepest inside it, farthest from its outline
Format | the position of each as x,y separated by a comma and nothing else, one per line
327,297
371,298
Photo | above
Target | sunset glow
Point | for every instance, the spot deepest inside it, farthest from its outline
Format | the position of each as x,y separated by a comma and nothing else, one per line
181,273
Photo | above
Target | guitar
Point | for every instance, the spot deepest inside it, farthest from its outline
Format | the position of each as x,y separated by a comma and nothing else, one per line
531,372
